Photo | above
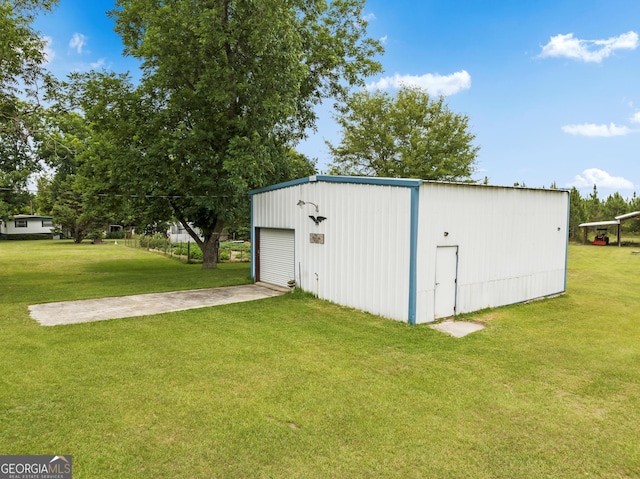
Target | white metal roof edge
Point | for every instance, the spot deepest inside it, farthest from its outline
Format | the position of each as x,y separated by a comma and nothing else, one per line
482,185
401,182
31,217
628,216
611,222
599,223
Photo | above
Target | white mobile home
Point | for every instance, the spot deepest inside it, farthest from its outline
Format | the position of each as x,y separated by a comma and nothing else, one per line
178,233
411,250
32,225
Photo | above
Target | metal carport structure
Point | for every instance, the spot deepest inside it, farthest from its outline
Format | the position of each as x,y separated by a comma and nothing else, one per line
617,222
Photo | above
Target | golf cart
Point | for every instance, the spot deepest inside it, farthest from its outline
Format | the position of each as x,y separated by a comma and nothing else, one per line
602,238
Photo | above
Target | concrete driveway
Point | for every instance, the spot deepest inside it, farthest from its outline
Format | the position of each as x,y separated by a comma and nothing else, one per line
84,311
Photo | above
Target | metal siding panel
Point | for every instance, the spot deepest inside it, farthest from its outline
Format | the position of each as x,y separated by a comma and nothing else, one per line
512,243
364,261
510,246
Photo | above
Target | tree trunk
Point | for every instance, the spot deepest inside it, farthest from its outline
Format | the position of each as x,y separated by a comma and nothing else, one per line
210,252
208,245
78,234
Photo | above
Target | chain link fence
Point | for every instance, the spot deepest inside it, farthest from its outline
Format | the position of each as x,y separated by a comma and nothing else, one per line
189,252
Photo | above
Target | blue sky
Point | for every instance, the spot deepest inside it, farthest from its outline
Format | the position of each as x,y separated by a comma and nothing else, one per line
551,87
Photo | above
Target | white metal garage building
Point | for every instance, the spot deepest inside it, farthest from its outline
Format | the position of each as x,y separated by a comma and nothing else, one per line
407,249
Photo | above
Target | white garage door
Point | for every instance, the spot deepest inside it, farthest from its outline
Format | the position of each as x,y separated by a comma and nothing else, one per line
277,260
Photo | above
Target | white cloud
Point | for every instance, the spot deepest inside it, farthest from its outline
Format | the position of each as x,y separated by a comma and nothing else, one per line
384,39
83,66
568,46
593,130
435,84
635,118
99,64
369,17
77,42
602,179
49,53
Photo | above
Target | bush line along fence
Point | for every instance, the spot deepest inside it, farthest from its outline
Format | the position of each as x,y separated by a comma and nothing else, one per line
228,251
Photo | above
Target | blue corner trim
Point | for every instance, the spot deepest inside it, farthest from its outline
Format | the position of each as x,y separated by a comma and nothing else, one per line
413,253
566,239
252,231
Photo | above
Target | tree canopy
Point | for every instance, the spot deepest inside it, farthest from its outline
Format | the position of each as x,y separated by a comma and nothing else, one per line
68,194
406,135
22,77
228,88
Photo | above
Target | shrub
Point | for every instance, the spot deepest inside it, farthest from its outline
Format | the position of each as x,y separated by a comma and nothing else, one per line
28,236
242,250
157,241
232,245
181,249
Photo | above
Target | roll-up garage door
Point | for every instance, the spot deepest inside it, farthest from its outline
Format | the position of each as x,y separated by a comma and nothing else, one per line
277,260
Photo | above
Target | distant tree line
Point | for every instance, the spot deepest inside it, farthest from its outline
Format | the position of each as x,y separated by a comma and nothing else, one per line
592,208
189,141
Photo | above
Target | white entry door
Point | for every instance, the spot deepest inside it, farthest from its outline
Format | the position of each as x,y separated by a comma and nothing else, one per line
277,258
446,281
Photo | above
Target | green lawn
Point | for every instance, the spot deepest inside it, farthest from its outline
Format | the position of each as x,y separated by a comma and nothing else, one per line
293,387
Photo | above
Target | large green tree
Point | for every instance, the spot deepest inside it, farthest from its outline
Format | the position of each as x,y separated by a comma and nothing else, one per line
22,78
408,134
70,194
577,213
593,206
228,89
615,205
634,205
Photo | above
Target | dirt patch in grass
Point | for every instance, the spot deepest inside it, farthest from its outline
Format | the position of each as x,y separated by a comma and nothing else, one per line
485,318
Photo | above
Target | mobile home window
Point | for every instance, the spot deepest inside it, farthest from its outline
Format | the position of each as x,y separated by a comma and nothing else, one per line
47,223
21,223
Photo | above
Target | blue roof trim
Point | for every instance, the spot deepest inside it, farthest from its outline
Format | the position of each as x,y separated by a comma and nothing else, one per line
368,180
363,180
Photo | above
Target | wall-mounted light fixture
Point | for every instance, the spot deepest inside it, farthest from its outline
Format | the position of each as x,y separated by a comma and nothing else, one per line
316,219
446,233
302,203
